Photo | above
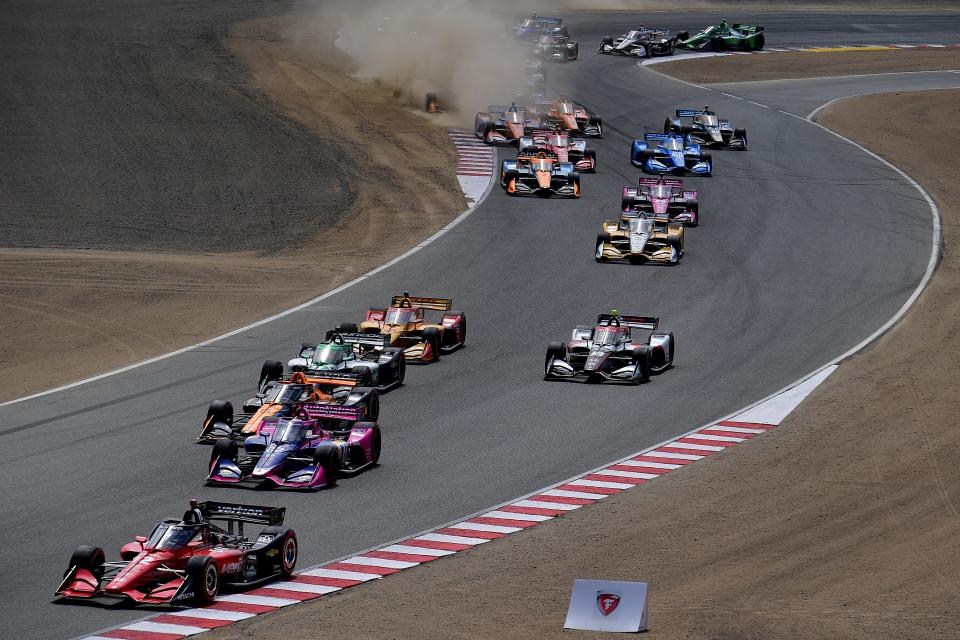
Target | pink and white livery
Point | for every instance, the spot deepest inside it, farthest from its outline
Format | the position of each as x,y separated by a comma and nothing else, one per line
663,197
309,451
573,150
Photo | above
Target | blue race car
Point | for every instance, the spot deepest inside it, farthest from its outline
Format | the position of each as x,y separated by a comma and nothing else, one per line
670,153
532,28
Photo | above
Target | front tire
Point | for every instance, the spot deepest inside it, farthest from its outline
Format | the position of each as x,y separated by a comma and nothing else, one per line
431,335
89,558
555,351
641,361
328,457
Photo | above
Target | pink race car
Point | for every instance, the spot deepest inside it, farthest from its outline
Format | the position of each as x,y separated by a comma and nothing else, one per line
573,150
663,197
308,451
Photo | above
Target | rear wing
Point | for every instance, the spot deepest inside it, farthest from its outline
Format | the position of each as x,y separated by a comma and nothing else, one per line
333,411
340,378
689,113
434,304
270,516
534,151
659,136
634,322
378,340
501,109
653,182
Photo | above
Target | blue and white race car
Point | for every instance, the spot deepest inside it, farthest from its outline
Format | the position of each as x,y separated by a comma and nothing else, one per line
533,27
670,153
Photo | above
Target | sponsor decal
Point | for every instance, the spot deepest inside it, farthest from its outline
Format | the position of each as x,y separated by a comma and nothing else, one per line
607,603
232,567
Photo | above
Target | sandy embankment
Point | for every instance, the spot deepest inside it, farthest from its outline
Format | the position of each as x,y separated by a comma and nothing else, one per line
91,311
843,523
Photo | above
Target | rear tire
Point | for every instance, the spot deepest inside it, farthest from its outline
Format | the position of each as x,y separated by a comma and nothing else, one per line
202,570
683,35
668,125
89,558
328,457
366,378
289,549
349,327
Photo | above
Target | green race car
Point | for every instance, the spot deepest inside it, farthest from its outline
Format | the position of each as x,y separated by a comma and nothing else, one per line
723,36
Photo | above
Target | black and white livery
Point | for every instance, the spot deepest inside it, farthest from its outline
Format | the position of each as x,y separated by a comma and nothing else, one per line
557,47
614,350
706,129
642,42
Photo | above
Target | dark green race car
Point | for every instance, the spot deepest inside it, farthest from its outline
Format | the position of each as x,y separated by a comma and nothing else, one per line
723,36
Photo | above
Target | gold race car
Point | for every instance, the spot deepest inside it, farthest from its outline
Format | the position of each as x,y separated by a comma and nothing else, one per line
638,237
420,340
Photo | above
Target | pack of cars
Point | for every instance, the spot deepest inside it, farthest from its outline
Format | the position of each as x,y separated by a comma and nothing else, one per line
642,42
645,42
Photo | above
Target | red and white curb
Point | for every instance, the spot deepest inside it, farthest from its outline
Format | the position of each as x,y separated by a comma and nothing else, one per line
475,164
499,522
830,49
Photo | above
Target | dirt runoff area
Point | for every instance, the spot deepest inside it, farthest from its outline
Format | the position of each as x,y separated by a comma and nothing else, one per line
842,523
812,64
104,309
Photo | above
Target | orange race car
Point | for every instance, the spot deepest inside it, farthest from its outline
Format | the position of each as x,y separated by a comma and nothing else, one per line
420,340
282,396
565,114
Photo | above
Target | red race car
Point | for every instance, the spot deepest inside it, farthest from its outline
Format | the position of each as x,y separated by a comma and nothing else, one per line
185,561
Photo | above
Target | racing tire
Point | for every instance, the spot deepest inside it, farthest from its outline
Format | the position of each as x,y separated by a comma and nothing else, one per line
644,157
641,359
202,571
683,35
289,549
758,42
270,371
349,327
647,50
401,368
575,53
694,206
602,239
366,378
673,349
224,449
590,153
376,445
328,457
431,335
574,179
220,411
430,103
510,181
668,125
685,129
555,351
671,47
741,134
372,404
89,558
709,160
450,337
716,44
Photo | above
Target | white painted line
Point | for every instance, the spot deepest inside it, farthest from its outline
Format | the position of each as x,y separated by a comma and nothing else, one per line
652,465
776,409
601,483
381,562
510,515
905,46
479,526
422,551
211,614
243,598
694,447
733,429
730,95
539,504
670,454
159,627
628,474
937,46
715,438
564,493
445,537
342,574
758,104
304,587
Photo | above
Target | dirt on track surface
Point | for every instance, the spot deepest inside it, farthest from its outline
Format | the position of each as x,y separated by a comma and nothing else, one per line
841,523
90,311
779,66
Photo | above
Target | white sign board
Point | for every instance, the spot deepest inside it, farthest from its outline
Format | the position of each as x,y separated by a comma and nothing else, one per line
607,605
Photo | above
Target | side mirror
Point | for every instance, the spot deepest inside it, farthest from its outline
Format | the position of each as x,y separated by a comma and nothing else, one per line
141,539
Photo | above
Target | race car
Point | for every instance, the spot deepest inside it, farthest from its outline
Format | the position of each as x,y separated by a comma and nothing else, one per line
282,395
538,172
557,47
610,351
370,356
705,129
663,197
501,125
639,237
532,27
567,149
404,324
723,36
669,153
309,451
186,561
564,113
642,42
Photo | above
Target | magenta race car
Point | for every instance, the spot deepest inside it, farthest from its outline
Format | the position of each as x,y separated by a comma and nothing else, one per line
309,451
663,197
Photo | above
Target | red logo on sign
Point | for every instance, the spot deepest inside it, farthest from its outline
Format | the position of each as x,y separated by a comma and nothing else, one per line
607,603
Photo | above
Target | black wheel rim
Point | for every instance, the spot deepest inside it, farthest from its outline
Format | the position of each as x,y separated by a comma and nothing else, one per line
290,553
210,580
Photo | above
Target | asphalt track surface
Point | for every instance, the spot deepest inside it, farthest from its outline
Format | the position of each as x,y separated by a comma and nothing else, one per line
807,246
